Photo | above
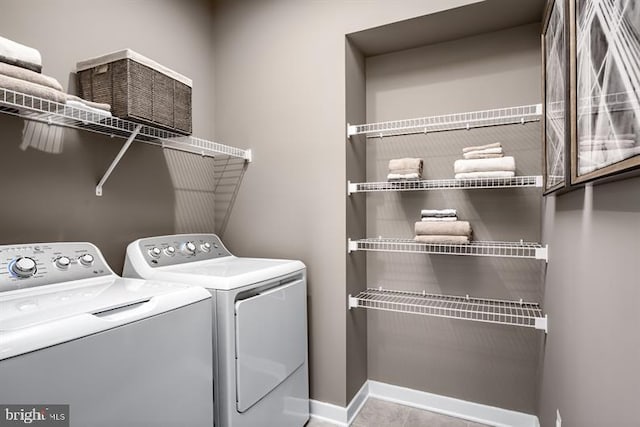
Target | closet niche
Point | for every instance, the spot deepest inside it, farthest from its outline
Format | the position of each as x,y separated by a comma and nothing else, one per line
471,91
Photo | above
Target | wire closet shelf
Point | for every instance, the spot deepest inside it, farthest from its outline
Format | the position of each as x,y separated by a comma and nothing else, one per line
520,249
516,313
475,119
54,113
445,184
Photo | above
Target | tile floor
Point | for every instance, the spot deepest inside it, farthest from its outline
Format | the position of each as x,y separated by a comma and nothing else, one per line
378,413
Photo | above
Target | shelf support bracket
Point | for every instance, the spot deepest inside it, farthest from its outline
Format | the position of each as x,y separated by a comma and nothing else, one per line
543,253
115,161
248,155
351,130
351,188
542,323
538,180
351,246
352,302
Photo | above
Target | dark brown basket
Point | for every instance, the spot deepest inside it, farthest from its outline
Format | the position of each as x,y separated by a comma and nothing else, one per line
139,93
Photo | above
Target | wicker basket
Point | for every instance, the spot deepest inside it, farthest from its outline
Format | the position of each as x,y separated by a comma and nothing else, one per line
138,89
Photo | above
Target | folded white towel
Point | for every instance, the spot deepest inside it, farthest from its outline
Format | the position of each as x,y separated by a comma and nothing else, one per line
405,163
82,106
495,150
492,174
473,155
98,105
453,228
437,219
507,163
29,76
438,212
482,147
396,176
32,89
405,171
17,52
445,240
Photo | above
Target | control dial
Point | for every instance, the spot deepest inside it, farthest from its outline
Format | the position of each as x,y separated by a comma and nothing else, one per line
206,247
189,248
24,267
86,260
62,262
155,252
170,251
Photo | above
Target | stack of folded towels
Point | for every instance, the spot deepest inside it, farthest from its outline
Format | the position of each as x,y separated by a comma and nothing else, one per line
20,71
405,169
484,161
442,226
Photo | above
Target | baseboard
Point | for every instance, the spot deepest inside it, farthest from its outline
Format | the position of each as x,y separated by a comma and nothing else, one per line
476,412
471,411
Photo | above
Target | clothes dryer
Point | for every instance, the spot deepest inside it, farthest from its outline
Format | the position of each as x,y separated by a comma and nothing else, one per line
259,335
119,352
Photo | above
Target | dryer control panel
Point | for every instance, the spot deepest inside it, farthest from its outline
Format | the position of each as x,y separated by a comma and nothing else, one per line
181,248
39,264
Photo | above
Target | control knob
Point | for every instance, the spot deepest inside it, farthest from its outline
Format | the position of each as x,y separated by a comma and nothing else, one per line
62,262
24,267
189,248
86,260
170,251
206,247
155,252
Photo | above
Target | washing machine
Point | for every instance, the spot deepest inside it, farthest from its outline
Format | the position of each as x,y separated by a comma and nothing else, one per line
259,335
119,352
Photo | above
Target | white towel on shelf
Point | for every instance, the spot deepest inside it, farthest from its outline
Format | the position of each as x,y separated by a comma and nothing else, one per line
495,150
482,147
15,53
453,228
82,106
438,212
507,163
29,76
445,240
98,105
401,176
474,155
491,174
31,89
438,219
405,163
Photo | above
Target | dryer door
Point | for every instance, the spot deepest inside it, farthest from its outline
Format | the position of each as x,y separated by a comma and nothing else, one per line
271,340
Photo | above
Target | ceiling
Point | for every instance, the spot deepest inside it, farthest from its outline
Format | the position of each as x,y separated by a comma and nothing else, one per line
477,18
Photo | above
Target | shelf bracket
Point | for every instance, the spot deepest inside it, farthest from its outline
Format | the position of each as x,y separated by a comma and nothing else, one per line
351,246
351,188
351,130
538,180
542,323
543,253
248,155
115,161
352,302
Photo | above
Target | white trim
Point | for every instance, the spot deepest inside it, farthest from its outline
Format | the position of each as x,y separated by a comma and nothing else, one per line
477,412
458,408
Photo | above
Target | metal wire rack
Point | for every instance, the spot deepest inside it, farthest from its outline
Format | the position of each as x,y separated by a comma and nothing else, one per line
54,113
444,184
516,313
475,248
475,119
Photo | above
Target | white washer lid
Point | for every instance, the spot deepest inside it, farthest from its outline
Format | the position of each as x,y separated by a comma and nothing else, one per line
228,272
51,315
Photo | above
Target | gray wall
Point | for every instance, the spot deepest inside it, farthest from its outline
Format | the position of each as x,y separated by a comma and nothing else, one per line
591,296
492,364
280,89
49,188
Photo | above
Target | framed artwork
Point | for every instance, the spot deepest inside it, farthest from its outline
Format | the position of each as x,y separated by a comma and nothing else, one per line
555,94
605,88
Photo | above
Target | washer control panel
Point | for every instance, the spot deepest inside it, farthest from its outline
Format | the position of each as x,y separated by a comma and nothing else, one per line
27,266
181,248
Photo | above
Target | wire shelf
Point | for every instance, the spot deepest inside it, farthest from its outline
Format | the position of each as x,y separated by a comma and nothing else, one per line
475,248
475,119
445,184
42,110
516,313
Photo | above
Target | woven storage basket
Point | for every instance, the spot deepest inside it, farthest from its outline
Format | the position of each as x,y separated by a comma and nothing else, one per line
138,89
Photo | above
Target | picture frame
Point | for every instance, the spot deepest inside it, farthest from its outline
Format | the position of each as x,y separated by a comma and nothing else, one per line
605,89
555,95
